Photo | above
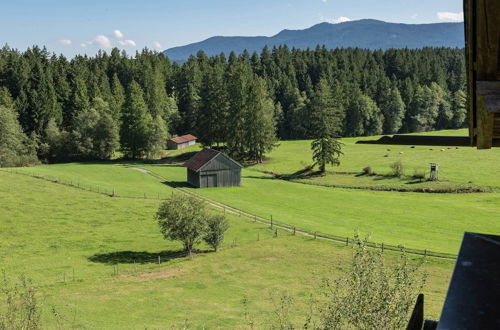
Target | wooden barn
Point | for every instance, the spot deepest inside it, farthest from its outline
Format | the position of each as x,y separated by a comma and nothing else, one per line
482,32
181,142
211,168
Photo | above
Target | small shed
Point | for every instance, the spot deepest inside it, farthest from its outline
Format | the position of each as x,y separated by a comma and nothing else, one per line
181,142
211,168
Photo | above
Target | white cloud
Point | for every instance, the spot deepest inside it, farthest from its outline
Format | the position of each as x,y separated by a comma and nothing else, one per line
157,45
341,19
102,41
83,44
324,1
127,43
118,34
65,42
450,17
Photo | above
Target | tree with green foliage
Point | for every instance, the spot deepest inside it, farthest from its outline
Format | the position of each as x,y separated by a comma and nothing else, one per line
327,115
14,149
157,138
183,218
213,115
363,117
393,110
423,110
259,136
136,124
459,106
217,225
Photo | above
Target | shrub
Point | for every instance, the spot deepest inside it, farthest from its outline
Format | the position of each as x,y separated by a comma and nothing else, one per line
397,168
372,294
368,170
369,295
20,307
216,227
419,174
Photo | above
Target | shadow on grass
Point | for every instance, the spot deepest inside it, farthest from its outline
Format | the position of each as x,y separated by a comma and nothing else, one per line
177,184
130,257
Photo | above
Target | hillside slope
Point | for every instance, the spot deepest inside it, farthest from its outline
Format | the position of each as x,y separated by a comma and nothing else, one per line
367,33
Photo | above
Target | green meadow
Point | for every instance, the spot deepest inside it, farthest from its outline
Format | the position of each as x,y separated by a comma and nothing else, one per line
93,259
85,233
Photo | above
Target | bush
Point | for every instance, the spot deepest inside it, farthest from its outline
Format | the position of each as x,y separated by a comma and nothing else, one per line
368,170
216,227
419,174
20,307
397,168
372,294
369,295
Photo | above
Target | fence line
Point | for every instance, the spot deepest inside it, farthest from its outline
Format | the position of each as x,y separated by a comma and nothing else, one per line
226,208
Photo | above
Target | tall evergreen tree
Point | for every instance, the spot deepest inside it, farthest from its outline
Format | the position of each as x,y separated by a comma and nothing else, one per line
327,116
136,123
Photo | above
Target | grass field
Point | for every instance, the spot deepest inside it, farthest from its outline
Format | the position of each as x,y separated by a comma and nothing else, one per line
415,220
51,230
462,166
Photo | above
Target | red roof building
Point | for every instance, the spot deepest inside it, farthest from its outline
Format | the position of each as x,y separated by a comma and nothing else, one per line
181,142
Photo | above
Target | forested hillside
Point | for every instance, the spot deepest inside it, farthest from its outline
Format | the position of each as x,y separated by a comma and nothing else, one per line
90,107
366,33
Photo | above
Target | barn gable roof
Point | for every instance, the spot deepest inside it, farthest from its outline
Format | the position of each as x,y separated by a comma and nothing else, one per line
184,138
204,157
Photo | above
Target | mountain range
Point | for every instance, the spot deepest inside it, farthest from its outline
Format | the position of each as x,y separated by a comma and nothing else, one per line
366,33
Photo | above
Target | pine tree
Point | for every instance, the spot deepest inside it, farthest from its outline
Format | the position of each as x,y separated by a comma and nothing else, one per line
136,123
214,108
327,116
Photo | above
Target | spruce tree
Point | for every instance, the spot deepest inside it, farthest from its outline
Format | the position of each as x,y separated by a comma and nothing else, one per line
213,116
136,123
326,119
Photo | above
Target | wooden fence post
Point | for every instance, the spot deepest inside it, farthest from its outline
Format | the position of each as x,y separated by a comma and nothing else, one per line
315,235
425,252
294,230
271,222
276,233
159,260
347,241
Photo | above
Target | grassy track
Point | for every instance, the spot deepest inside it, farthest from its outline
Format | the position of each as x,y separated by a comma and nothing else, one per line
49,230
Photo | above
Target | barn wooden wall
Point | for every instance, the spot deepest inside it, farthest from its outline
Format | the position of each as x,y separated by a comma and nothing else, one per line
482,30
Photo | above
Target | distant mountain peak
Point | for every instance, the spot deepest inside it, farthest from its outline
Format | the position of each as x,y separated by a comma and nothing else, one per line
364,33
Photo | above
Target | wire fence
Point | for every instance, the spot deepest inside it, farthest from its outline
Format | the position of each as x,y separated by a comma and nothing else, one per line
273,223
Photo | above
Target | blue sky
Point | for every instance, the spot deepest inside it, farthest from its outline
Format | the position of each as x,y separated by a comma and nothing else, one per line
84,26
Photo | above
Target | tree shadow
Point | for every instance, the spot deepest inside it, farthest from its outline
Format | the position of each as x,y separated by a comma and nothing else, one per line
143,257
177,184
